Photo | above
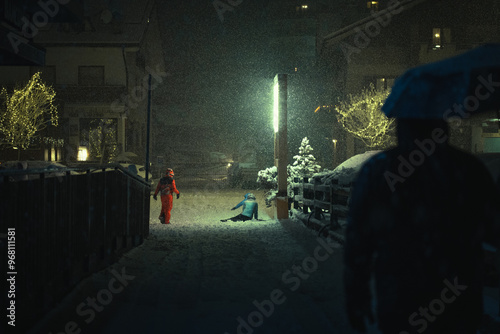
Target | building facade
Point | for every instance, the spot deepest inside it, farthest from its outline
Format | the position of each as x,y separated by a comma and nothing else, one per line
99,66
394,36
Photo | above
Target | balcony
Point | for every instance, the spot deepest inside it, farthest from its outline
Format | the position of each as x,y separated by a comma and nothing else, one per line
89,94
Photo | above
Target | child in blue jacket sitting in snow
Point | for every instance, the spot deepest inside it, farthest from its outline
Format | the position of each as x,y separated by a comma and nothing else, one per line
242,202
250,209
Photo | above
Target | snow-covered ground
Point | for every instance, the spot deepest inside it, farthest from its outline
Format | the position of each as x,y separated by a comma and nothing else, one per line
199,275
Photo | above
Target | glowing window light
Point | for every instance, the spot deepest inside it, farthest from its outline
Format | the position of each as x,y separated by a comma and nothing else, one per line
276,106
436,38
305,6
83,153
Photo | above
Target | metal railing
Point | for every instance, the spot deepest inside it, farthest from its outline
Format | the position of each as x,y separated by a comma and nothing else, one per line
68,224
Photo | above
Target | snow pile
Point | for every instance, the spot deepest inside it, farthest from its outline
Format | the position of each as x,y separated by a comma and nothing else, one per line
346,172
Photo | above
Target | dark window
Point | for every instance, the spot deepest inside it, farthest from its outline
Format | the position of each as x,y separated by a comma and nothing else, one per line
379,82
91,75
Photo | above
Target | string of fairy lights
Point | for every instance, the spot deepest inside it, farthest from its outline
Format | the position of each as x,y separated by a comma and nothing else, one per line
361,116
27,111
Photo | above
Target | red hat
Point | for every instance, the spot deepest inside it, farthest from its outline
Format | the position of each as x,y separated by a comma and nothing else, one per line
169,172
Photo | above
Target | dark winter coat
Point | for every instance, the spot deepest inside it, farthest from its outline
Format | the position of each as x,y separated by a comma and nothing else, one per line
417,220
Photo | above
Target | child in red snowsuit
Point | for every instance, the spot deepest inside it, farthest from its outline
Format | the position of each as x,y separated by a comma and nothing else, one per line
166,187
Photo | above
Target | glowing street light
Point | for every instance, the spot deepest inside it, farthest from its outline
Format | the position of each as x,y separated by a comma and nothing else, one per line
280,143
276,105
334,141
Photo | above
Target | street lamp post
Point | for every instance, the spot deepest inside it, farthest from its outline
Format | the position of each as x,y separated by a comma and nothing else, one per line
334,153
280,143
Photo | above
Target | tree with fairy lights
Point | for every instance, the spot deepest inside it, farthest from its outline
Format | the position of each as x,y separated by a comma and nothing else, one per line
361,115
102,140
25,112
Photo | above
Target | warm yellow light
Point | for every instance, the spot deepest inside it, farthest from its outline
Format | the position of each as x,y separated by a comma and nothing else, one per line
296,69
83,153
304,6
436,35
276,105
334,141
317,109
27,111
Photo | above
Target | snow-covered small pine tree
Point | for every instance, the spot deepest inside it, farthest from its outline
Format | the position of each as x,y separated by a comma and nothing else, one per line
305,163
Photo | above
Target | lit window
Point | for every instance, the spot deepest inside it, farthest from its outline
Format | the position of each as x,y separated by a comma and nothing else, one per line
296,69
436,39
302,8
373,5
384,83
83,153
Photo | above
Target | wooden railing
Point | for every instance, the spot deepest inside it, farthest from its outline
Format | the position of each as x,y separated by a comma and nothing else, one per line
67,224
324,203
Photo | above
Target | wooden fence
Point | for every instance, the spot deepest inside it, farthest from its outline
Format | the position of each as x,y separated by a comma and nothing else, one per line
324,204
63,225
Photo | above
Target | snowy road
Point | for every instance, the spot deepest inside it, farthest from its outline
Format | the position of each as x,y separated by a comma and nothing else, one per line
199,275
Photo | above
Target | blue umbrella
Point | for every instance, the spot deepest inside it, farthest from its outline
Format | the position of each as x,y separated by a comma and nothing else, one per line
458,86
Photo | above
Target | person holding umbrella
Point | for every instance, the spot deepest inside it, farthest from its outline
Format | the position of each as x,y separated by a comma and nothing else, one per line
420,212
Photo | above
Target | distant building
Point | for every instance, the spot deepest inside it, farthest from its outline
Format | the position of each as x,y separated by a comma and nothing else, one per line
295,29
390,37
99,65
